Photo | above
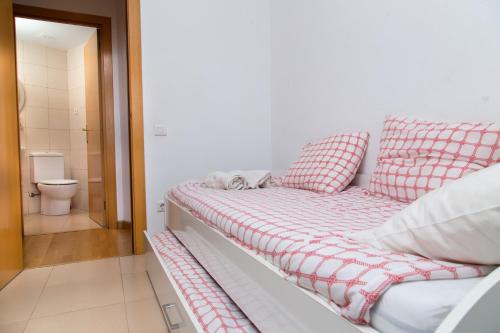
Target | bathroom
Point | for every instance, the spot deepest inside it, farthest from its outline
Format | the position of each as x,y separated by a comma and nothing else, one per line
54,133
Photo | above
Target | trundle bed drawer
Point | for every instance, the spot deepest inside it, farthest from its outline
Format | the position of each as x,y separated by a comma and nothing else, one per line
176,312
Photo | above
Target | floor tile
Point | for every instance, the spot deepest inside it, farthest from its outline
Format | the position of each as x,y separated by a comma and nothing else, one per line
137,286
17,327
109,319
145,317
133,264
61,298
37,224
19,298
95,270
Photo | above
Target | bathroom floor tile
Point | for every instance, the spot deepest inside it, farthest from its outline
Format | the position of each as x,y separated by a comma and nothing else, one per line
133,264
17,327
137,286
145,316
96,270
37,224
62,298
82,297
108,319
19,298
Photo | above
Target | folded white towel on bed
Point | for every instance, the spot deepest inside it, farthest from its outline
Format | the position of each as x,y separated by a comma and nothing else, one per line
256,178
239,180
226,180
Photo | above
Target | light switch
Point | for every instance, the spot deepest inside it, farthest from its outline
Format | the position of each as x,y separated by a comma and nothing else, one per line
160,130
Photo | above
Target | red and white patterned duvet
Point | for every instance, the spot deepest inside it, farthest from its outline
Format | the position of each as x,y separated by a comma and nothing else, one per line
305,234
214,310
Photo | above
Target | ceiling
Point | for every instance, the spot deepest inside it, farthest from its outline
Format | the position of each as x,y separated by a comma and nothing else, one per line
53,35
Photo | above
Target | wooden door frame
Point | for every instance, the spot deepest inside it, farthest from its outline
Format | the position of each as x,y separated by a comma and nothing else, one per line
136,124
103,25
11,245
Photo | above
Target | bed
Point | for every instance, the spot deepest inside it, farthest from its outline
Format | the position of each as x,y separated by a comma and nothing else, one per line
251,244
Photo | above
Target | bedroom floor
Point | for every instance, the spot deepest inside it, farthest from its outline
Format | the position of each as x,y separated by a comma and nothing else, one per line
108,296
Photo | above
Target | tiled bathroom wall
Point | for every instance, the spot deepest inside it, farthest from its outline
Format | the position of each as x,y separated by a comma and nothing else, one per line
77,122
46,119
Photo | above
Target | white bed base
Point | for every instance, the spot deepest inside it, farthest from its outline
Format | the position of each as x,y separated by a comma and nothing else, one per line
178,316
275,305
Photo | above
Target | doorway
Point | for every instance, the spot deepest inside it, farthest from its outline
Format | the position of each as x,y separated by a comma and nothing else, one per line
66,138
11,224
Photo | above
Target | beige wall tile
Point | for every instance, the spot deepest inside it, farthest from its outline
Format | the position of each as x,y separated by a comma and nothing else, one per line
58,119
34,54
76,78
36,117
75,57
57,79
77,119
20,71
78,159
81,200
20,51
59,139
58,99
37,139
34,204
36,96
35,75
26,210
82,177
22,118
78,140
56,59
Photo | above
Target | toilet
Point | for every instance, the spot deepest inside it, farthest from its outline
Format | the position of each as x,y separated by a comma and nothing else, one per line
47,172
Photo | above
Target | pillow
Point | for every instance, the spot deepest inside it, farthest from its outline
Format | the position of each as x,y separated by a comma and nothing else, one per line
418,156
329,165
457,222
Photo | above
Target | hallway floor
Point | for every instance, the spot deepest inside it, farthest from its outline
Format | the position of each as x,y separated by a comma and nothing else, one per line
108,296
66,247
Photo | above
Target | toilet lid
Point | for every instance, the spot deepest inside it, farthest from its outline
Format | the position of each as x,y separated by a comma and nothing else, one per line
59,182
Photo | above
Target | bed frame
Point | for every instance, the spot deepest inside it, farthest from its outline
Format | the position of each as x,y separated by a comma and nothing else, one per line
275,305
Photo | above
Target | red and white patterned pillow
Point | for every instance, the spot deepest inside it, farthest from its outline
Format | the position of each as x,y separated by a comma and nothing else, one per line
329,165
418,156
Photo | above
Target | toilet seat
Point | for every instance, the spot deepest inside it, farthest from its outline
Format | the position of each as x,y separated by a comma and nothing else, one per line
59,182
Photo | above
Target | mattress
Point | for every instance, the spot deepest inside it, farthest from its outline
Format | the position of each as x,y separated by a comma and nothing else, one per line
305,235
418,307
214,310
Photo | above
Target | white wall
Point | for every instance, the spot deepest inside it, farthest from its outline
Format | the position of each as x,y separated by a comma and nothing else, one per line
117,11
342,65
206,76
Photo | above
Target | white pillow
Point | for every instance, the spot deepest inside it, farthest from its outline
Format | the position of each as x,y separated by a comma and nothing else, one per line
457,222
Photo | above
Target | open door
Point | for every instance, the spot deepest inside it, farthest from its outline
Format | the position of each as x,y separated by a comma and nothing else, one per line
95,161
11,253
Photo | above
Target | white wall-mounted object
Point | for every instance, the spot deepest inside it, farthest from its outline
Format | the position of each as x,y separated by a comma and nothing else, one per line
160,130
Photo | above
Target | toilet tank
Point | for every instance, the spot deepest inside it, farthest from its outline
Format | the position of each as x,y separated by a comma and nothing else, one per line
46,166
